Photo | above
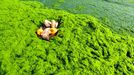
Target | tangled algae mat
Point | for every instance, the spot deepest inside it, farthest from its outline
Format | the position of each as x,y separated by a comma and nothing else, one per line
118,15
83,45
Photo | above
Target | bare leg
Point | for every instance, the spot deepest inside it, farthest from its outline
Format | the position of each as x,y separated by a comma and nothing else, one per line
56,25
53,24
47,23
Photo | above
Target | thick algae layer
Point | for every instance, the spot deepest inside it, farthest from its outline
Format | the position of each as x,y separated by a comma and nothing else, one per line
118,15
82,45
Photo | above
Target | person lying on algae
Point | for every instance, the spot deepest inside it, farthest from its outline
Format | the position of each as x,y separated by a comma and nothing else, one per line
48,29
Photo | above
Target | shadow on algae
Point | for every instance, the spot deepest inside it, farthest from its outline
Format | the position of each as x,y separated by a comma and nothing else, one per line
83,46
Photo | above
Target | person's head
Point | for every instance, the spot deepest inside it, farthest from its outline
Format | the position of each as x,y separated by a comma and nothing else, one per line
53,31
39,31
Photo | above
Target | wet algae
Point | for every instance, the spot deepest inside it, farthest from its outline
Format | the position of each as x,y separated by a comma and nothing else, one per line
118,15
82,46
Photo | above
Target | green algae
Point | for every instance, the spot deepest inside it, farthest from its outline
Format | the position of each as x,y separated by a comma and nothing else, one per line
82,46
115,14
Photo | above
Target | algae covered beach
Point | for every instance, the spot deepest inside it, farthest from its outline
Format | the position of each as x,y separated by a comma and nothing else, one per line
87,42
